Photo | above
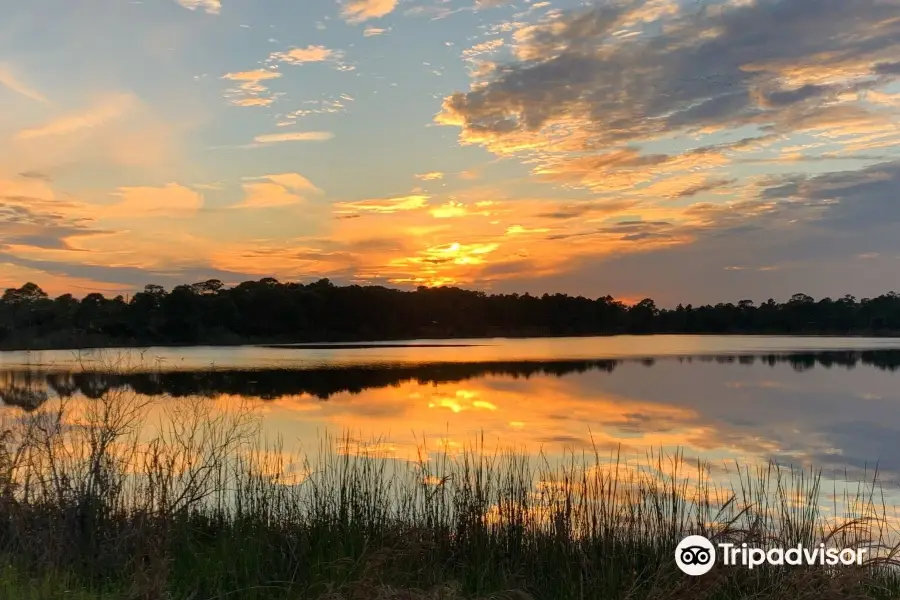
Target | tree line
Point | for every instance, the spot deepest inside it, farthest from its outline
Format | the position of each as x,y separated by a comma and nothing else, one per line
269,311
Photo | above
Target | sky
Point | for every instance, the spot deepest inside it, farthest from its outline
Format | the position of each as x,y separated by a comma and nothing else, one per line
688,151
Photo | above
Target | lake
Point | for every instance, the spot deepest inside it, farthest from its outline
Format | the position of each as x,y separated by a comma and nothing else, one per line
833,403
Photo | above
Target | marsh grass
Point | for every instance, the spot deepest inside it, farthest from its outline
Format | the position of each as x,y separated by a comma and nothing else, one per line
97,500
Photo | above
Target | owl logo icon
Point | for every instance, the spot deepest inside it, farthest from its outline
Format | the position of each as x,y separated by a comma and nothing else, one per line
695,555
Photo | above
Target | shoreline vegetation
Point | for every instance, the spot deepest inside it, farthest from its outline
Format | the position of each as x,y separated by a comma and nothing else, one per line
98,502
272,312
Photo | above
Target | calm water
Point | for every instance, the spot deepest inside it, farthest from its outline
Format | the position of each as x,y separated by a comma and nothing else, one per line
831,402
418,351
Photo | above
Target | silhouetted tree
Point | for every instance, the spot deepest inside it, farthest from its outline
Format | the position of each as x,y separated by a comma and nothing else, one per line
268,310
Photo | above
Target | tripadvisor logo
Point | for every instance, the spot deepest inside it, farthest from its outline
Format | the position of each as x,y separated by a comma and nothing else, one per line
696,555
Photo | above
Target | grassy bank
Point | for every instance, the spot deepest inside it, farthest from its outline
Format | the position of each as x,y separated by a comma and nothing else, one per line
96,502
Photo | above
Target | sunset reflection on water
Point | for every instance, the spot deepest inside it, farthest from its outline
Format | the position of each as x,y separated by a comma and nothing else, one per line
838,411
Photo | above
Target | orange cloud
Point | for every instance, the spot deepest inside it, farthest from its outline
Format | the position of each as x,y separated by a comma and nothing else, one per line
429,265
383,205
296,56
250,90
293,181
282,189
357,11
519,230
473,239
267,195
253,101
288,258
449,210
171,200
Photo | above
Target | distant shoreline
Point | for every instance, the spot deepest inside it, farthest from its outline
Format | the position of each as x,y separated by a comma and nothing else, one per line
88,343
362,346
296,315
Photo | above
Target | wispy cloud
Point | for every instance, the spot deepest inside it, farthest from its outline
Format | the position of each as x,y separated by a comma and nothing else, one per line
252,101
171,200
315,107
519,230
212,7
108,109
271,191
373,31
250,91
11,81
293,181
383,205
294,136
296,56
267,195
255,75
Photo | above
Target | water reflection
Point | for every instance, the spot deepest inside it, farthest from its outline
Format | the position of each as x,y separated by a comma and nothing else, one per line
839,410
28,388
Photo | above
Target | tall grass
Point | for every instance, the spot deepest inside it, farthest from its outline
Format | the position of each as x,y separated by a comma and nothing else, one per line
204,508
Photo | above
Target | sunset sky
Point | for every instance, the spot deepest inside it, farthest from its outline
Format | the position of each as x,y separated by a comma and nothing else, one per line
689,151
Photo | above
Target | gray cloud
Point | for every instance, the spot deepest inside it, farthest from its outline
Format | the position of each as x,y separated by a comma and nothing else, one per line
707,186
647,235
803,93
35,175
720,68
509,268
628,230
134,276
799,234
38,222
888,68
580,209
774,66
714,110
757,263
859,199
